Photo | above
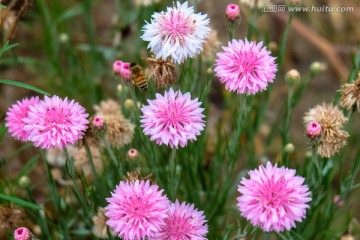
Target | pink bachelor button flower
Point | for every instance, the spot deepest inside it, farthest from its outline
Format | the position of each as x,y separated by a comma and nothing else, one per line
273,198
177,33
55,122
172,119
133,153
232,12
22,234
122,69
98,123
313,130
245,67
136,210
15,117
183,222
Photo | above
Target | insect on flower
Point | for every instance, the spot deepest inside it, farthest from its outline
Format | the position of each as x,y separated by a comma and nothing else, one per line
138,76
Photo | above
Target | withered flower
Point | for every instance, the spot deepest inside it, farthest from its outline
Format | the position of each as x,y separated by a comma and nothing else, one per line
119,130
163,72
108,107
100,228
10,219
82,161
211,46
350,94
331,120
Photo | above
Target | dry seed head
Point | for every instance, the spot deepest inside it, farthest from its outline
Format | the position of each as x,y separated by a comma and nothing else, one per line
162,72
119,130
10,218
100,228
107,107
331,120
211,46
350,94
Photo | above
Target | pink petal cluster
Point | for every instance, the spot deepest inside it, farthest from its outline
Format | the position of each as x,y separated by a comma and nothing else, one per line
22,234
55,122
136,210
133,153
177,33
313,130
122,69
15,117
273,198
98,123
183,222
232,12
172,119
245,67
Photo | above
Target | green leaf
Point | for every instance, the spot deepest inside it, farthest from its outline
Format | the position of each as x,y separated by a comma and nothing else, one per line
20,202
2,132
24,85
6,47
28,166
72,12
2,6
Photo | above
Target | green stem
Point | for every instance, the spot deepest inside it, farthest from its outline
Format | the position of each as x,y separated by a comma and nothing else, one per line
172,174
283,42
314,159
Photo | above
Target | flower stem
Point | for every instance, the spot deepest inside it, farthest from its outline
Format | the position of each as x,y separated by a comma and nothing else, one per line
172,178
314,159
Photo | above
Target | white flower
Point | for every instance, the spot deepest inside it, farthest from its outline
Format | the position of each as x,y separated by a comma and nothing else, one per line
177,33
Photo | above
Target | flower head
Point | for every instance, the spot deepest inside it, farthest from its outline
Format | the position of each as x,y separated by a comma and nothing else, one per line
331,120
313,130
15,117
183,222
122,69
273,198
108,107
245,67
22,234
211,46
177,33
10,218
136,210
350,94
55,122
98,123
172,119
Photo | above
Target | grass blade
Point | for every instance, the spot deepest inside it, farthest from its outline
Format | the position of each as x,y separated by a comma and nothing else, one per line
24,85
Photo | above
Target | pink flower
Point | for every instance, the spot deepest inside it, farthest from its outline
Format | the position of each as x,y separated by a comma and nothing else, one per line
123,69
313,130
172,119
133,153
232,12
337,201
136,210
245,67
55,122
177,33
183,222
22,234
98,123
15,117
273,198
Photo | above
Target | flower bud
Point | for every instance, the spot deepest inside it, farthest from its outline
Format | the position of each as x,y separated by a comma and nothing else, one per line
63,37
289,148
122,69
232,16
24,181
119,88
317,67
313,130
292,77
232,13
308,155
129,104
133,153
337,201
22,234
98,123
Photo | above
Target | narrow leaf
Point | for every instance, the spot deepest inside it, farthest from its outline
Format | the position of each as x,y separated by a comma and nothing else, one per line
20,202
24,85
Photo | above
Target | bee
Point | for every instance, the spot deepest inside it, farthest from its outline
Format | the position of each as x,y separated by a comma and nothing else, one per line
138,76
